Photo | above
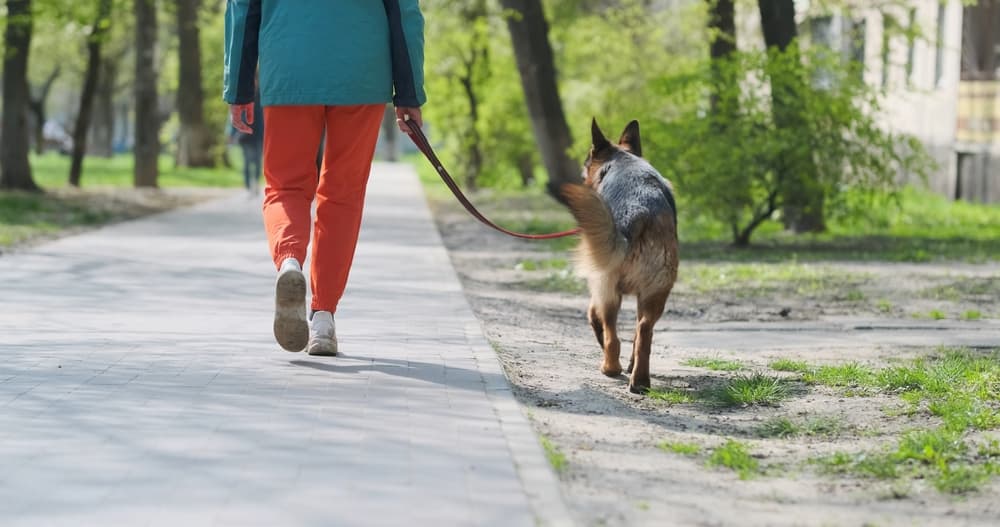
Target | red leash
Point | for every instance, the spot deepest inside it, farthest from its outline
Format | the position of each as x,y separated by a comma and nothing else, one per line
419,139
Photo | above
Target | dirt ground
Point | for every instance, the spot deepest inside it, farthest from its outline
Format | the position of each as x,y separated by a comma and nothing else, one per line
533,312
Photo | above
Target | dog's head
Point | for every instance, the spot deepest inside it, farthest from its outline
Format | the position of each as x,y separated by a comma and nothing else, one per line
602,150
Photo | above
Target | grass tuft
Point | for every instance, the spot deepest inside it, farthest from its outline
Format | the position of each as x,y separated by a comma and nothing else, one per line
734,455
755,389
555,456
670,396
790,365
715,364
686,449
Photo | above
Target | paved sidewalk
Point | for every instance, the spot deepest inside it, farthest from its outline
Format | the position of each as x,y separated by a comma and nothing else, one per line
140,384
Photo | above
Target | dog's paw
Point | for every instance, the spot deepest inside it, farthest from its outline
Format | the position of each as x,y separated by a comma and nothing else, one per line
638,389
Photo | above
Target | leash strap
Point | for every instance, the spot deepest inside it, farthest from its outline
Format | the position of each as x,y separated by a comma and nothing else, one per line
419,139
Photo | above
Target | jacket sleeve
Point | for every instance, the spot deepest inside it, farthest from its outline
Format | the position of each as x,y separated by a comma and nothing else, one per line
242,30
406,30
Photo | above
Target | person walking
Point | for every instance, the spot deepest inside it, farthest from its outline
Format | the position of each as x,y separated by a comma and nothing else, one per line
325,67
252,146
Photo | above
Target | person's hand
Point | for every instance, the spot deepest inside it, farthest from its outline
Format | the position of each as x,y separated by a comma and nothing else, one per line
404,113
236,115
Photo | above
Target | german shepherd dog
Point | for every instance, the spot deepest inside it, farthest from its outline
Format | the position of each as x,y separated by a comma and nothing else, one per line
628,218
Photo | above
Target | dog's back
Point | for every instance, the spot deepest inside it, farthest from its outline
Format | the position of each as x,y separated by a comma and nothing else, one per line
629,225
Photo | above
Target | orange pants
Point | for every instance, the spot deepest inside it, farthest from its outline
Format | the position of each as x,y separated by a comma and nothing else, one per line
292,137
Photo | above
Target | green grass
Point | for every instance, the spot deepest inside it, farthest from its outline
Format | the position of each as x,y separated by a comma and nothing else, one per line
539,265
937,314
714,364
745,280
563,281
972,314
755,389
52,170
735,456
783,427
884,306
25,216
670,396
850,375
555,456
790,365
961,389
686,449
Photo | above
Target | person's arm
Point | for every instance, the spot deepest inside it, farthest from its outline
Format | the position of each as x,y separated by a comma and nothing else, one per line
242,30
406,30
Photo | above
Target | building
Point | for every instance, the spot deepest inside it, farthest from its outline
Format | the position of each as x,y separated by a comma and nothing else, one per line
938,64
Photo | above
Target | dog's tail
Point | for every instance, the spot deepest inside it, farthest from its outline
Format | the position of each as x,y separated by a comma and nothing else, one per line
604,246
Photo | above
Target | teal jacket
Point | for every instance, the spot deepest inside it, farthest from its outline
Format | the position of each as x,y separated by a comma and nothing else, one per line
325,52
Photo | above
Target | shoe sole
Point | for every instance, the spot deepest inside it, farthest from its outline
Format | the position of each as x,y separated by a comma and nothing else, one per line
291,329
323,348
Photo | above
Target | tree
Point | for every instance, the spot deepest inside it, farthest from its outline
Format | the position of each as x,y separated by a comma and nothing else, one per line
529,33
95,41
147,116
804,200
15,170
194,148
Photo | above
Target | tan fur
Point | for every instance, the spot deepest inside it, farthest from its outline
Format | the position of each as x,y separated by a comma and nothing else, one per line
645,267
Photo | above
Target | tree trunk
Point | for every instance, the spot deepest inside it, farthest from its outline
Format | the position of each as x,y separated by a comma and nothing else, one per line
802,196
102,127
82,126
147,116
722,24
195,142
37,106
15,170
529,33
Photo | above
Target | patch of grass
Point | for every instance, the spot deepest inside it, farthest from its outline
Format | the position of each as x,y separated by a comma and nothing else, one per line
759,279
936,314
755,389
52,170
960,387
563,281
714,364
784,427
789,365
852,375
555,456
736,456
777,427
547,264
884,306
670,396
686,449
972,314
854,296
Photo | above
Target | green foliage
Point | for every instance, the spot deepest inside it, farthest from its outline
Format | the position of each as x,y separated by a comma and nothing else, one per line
790,365
555,456
670,396
737,161
736,456
686,449
715,364
756,389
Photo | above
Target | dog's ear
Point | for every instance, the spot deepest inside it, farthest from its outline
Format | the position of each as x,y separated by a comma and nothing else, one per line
630,139
599,142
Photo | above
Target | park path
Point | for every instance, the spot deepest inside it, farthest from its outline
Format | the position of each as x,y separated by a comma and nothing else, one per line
140,384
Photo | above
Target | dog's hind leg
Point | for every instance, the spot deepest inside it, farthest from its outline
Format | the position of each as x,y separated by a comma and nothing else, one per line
650,309
605,301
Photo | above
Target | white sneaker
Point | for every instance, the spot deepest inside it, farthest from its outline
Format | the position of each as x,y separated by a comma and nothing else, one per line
322,335
291,329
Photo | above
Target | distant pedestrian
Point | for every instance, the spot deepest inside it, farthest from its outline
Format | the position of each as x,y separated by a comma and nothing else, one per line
325,67
252,145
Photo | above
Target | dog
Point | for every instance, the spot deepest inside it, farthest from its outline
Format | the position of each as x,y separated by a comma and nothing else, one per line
628,220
